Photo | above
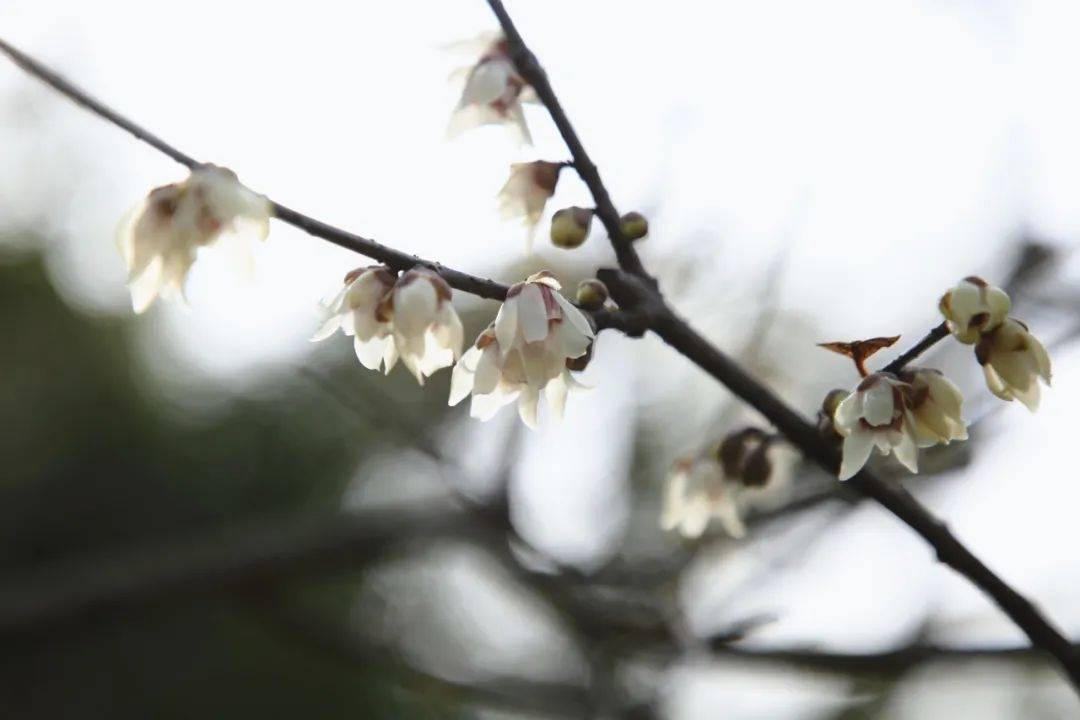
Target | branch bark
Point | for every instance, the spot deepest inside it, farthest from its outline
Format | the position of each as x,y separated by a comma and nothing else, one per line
636,291
645,309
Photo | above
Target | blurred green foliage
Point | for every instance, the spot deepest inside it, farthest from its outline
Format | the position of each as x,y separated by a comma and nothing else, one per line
94,462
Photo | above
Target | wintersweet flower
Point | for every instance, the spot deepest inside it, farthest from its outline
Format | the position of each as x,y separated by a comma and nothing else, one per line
411,318
1013,360
493,93
697,491
877,413
527,191
526,351
160,237
974,307
936,407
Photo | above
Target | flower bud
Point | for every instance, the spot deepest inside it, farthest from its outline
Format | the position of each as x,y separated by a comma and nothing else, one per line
634,226
832,401
758,467
570,227
735,448
592,294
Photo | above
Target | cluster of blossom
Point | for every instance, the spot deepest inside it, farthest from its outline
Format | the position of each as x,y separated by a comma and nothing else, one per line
160,237
717,484
897,413
493,93
918,407
537,337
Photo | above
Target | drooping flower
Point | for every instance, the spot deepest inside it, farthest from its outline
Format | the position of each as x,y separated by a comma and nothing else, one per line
936,407
527,191
697,491
525,351
974,307
493,93
1013,360
877,413
160,237
411,318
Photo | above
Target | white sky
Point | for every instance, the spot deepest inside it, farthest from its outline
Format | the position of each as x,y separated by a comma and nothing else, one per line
892,147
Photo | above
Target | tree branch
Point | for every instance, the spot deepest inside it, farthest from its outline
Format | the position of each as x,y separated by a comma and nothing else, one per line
390,257
339,641
932,338
648,311
893,497
534,74
636,291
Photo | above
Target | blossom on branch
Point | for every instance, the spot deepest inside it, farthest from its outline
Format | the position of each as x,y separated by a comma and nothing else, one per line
160,237
936,407
698,491
493,93
527,350
974,307
410,318
1013,360
527,191
878,414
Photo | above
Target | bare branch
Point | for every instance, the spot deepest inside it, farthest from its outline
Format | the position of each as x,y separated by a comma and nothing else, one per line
395,259
534,74
939,333
635,290
336,640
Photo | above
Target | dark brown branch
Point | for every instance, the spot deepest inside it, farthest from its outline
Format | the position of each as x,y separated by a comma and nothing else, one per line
932,338
534,74
636,291
888,663
77,592
395,259
646,311
803,434
340,641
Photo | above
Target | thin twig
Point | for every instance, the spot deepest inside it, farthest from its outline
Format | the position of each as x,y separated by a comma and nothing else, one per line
889,662
932,338
650,312
634,289
341,642
534,74
395,259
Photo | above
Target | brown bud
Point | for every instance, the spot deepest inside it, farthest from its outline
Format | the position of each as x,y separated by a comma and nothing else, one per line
592,294
758,467
570,227
634,226
734,448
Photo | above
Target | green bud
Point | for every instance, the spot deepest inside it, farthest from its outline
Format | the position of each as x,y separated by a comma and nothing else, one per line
832,401
634,226
592,294
570,227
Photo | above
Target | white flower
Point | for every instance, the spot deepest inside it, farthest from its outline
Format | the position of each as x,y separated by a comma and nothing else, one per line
493,93
525,351
527,191
1013,360
974,307
159,238
410,317
936,407
696,492
877,413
